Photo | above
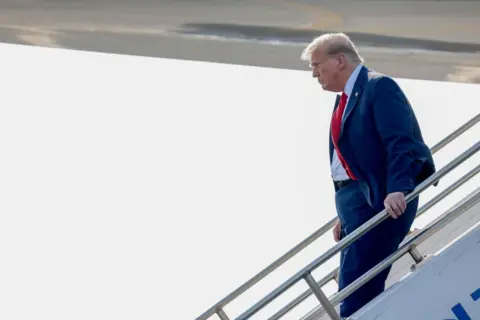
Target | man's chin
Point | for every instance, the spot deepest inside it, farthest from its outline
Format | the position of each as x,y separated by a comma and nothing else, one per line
325,87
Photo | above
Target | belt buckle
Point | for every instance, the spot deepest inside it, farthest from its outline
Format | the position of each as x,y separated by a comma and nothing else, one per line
342,183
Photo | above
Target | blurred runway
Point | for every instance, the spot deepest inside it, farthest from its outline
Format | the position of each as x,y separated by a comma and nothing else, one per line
434,40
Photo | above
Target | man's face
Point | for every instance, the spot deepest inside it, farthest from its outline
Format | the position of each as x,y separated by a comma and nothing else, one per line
327,70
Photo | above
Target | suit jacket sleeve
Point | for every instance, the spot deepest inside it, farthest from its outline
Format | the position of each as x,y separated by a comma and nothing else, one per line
393,118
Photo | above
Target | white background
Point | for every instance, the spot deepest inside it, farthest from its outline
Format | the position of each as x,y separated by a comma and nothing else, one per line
139,188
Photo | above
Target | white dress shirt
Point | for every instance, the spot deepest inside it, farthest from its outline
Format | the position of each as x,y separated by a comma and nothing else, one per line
338,171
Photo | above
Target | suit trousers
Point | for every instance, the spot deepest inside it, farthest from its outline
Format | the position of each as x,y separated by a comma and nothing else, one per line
371,248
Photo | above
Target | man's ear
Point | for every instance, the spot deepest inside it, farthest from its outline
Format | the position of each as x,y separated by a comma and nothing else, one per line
342,61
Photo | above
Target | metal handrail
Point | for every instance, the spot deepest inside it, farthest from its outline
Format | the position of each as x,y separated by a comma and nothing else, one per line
302,297
305,273
262,274
421,211
218,307
424,234
458,183
456,133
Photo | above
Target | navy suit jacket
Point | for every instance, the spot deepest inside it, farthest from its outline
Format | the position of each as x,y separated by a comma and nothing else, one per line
381,139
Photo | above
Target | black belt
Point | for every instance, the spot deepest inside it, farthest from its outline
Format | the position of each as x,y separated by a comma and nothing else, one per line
342,183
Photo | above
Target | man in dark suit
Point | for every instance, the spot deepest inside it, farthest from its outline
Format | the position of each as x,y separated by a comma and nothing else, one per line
377,156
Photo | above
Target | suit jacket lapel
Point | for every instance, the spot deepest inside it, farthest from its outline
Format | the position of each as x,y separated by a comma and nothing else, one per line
337,101
356,92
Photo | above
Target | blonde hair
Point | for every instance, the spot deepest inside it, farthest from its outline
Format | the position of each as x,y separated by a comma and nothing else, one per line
334,43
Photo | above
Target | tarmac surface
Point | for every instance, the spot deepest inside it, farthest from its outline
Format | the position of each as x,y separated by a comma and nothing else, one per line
433,40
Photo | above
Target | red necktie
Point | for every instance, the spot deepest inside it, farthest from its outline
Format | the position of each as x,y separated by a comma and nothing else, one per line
336,128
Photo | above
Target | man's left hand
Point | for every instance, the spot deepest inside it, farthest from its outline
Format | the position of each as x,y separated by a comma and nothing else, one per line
395,204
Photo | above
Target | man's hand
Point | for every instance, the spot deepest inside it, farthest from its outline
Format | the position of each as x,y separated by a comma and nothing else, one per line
395,204
337,230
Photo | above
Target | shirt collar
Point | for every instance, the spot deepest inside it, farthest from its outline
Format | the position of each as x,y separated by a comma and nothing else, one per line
351,80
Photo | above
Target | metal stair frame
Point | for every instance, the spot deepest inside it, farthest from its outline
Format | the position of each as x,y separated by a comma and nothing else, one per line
305,273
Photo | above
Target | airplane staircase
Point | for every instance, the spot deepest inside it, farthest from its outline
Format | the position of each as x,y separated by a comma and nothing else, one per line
442,241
